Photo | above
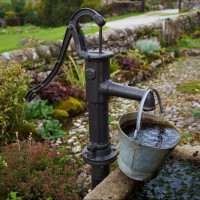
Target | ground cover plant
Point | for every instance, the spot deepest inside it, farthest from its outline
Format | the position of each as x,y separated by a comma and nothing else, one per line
190,87
37,171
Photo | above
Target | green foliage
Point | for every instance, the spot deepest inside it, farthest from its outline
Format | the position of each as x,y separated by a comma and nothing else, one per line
18,6
13,196
114,65
190,87
185,135
14,84
56,12
52,129
176,51
196,113
76,74
38,110
163,42
188,42
142,59
148,46
28,65
94,4
147,6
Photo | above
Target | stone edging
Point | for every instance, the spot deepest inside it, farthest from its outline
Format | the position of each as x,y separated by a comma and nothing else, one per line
115,40
118,186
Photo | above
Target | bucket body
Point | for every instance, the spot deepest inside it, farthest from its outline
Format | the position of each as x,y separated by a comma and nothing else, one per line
136,160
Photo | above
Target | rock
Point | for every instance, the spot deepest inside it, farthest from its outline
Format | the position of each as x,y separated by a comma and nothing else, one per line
109,187
191,52
191,154
77,149
28,29
87,26
17,31
31,54
70,141
43,51
3,60
4,32
18,56
6,55
25,42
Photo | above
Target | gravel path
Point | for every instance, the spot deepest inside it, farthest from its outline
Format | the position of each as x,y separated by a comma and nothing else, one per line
178,108
143,19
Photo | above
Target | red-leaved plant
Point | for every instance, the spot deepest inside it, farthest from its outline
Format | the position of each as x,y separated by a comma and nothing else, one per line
127,63
37,171
56,91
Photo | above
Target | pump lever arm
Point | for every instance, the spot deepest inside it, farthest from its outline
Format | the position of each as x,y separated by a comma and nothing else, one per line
74,30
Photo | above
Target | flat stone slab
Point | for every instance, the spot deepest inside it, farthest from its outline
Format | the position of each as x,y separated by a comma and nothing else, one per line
191,154
116,186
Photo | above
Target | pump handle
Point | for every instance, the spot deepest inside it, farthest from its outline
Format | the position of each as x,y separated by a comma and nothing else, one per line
74,30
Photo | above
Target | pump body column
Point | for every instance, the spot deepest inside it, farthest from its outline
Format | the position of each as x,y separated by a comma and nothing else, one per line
99,153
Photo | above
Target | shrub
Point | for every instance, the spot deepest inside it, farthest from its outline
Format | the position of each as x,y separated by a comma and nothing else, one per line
127,63
37,171
52,129
14,84
54,91
148,46
38,110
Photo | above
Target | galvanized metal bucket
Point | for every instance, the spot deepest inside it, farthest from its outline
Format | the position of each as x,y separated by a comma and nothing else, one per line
136,160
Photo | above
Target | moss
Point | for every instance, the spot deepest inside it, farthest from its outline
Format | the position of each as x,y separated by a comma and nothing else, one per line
71,105
190,87
24,131
60,115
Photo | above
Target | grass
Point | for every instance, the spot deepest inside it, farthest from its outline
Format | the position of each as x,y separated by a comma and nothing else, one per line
168,14
123,16
180,13
10,41
190,87
187,42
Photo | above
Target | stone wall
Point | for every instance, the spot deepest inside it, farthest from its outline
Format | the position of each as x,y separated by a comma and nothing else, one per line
116,40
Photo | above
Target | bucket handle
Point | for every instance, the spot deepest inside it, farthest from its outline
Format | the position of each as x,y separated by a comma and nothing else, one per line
139,115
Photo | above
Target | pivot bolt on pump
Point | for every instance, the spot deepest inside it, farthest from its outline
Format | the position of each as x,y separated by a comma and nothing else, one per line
99,153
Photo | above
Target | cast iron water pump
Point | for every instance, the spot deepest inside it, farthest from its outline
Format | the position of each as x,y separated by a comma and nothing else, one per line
99,153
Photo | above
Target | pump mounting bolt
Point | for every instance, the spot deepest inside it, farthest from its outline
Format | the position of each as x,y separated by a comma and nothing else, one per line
90,73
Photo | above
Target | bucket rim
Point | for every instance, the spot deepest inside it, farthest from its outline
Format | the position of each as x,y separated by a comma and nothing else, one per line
174,127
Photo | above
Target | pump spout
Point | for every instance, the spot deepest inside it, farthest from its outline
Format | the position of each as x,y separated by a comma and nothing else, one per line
114,89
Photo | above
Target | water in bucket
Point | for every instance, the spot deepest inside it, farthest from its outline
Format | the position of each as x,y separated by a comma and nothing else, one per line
146,140
153,134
